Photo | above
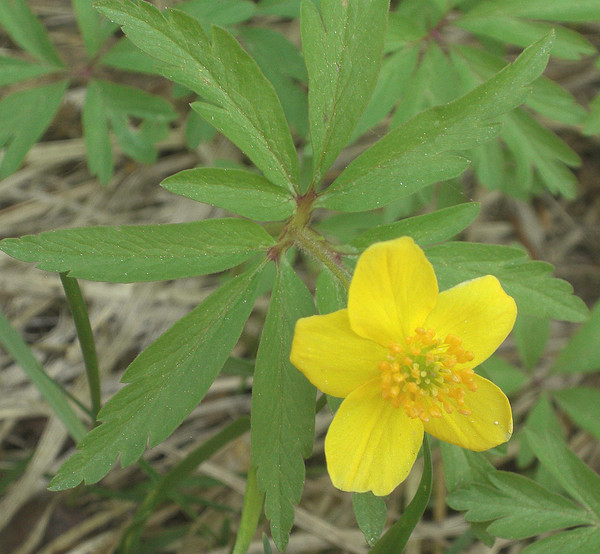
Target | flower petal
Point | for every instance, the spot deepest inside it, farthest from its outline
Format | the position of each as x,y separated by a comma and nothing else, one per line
333,357
489,424
370,445
477,311
392,291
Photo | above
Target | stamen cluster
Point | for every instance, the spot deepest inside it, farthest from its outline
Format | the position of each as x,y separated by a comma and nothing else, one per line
424,375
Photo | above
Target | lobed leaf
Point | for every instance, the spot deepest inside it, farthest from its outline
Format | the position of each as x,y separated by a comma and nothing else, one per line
240,102
342,45
529,282
282,406
136,253
96,133
422,150
94,28
582,540
552,10
164,383
581,405
242,192
14,70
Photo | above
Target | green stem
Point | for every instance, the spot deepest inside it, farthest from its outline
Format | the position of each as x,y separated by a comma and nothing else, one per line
318,247
86,339
253,501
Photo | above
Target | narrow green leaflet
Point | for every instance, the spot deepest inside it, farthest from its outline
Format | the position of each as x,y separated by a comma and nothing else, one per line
425,229
531,335
240,101
371,515
96,133
126,56
26,30
224,12
14,70
421,151
581,405
136,253
282,406
165,382
94,28
517,507
529,282
581,482
582,540
282,63
505,375
582,353
583,11
18,133
242,192
342,48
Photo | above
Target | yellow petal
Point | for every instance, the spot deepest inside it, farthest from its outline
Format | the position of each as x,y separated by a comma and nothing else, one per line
333,357
477,311
489,424
370,445
392,291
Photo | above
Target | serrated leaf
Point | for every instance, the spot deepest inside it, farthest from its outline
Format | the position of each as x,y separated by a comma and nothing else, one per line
529,282
282,406
581,405
26,30
371,514
126,56
96,134
424,229
243,104
570,472
14,70
463,467
518,507
421,151
242,192
17,133
582,353
164,383
582,540
135,253
342,45
94,28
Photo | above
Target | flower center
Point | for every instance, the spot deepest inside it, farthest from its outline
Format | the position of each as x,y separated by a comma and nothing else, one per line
424,375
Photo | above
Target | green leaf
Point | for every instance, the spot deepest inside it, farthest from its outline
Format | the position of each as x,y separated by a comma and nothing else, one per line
505,375
14,70
463,467
421,151
224,12
242,192
251,512
392,82
553,10
50,390
581,405
96,134
135,253
282,63
371,515
126,56
94,29
425,229
165,382
240,101
342,47
569,45
518,507
582,540
570,472
397,535
531,335
529,282
582,353
17,133
26,30
282,406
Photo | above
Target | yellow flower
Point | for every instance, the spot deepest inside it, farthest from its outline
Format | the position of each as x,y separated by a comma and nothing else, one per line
402,357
